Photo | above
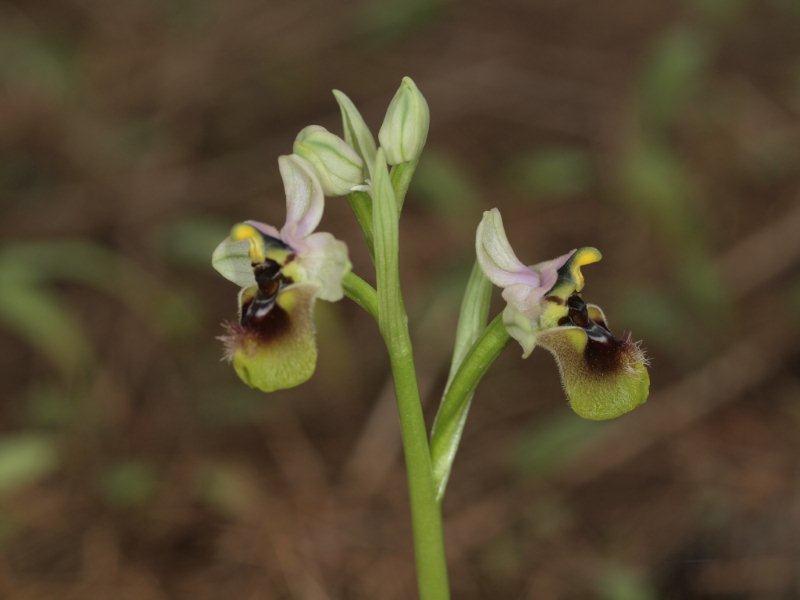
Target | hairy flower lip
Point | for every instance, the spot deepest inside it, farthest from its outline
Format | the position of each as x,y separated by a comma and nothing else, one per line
603,376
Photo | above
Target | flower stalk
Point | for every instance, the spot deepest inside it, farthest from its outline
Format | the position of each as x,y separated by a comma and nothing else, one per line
426,517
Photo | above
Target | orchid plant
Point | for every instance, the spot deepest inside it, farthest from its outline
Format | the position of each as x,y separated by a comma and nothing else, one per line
282,272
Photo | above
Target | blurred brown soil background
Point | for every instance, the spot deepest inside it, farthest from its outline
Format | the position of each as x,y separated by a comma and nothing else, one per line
133,464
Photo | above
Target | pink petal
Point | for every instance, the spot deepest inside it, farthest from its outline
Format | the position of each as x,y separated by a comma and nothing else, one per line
265,229
304,199
548,270
495,255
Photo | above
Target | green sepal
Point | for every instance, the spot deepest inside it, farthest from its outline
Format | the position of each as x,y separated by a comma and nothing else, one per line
356,132
570,278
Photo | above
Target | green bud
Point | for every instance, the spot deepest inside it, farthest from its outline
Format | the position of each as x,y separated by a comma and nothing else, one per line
337,166
405,126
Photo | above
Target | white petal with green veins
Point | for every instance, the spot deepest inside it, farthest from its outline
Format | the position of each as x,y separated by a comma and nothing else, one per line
521,328
324,263
232,260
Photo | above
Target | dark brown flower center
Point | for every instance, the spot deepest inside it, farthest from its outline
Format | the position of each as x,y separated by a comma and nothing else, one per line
261,315
603,351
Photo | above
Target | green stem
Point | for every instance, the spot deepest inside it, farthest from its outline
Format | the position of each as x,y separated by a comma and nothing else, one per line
453,411
425,512
360,292
426,519
361,204
401,178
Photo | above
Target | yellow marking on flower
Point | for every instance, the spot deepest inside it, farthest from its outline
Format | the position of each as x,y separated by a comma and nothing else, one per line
287,299
582,257
245,231
570,279
552,314
294,271
279,255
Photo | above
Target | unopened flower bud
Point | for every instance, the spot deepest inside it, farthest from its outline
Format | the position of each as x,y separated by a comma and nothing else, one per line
405,126
337,166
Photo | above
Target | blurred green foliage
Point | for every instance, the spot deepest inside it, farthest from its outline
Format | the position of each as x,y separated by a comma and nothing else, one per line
673,76
444,187
657,184
227,488
46,405
190,241
542,449
552,173
31,308
43,64
722,12
25,459
129,483
618,582
45,324
385,21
